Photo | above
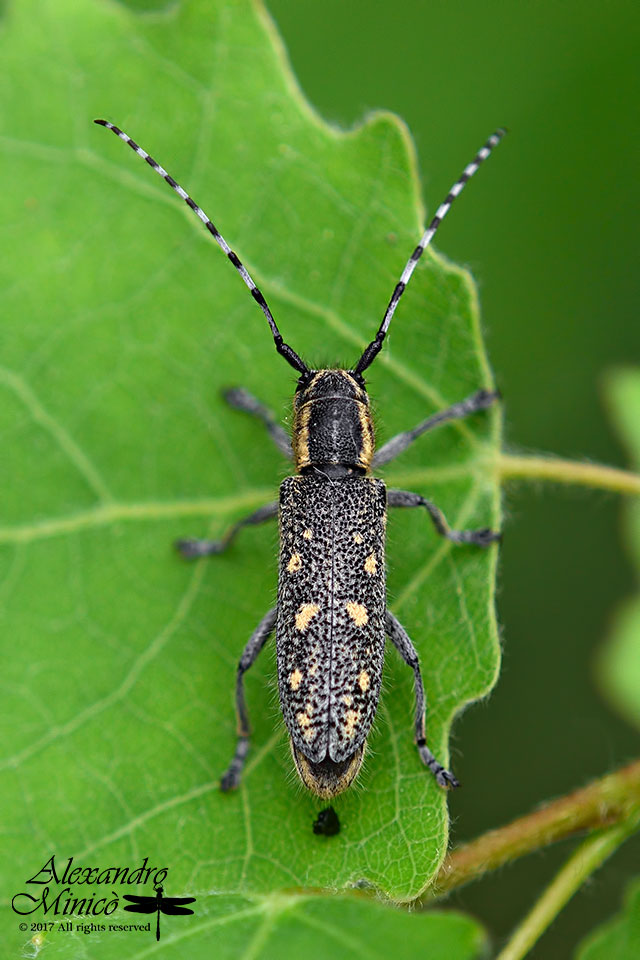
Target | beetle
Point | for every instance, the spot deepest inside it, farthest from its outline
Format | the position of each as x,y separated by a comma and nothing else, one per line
331,618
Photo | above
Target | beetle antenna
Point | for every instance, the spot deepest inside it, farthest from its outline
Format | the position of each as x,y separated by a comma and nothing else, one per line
374,347
283,348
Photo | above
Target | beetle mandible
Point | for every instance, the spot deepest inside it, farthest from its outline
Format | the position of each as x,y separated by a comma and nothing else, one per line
331,618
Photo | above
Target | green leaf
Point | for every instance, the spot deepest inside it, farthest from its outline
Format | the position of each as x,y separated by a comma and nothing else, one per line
620,662
620,938
122,321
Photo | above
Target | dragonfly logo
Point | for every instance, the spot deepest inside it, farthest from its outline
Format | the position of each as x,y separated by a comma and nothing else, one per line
170,906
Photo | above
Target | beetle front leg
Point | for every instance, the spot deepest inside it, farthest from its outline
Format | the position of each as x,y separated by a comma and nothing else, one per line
481,538
231,778
400,639
479,400
241,399
191,548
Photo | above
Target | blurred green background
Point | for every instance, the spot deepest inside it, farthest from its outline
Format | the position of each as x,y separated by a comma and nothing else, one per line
547,228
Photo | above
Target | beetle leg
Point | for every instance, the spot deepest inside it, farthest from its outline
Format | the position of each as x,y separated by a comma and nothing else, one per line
191,548
241,399
398,444
400,639
231,778
481,538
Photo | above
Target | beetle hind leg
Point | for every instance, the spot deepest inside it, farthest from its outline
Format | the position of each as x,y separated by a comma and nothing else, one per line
401,641
443,776
231,778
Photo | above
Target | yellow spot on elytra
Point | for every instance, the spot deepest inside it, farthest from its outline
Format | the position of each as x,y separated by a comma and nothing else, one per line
304,722
308,534
313,669
294,563
357,538
295,679
363,681
371,564
305,615
351,719
347,700
358,613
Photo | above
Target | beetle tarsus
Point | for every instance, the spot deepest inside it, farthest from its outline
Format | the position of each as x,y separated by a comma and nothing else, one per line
190,548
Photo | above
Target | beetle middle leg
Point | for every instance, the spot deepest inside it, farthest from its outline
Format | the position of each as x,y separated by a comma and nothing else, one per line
400,639
481,538
479,400
191,548
231,778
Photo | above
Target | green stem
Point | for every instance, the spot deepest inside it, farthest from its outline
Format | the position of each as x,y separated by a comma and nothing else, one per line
580,865
604,802
554,469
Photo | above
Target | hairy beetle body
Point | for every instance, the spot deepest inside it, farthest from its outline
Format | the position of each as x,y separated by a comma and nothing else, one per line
331,619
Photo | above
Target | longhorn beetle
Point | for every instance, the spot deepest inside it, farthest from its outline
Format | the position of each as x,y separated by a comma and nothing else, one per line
331,617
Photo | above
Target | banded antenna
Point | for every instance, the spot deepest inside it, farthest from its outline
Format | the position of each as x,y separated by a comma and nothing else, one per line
374,347
283,348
